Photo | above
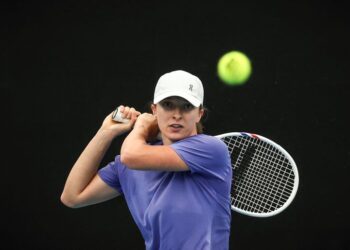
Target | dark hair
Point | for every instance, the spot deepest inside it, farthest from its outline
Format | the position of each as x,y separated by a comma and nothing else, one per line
199,125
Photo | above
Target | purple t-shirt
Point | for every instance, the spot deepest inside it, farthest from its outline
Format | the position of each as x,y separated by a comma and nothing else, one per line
180,210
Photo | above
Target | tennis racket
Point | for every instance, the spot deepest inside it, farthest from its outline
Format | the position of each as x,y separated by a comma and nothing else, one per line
265,177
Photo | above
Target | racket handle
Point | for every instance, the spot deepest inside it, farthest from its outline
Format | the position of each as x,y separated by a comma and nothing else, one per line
117,116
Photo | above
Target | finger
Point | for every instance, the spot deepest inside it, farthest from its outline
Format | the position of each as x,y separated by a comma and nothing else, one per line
135,115
121,108
130,114
125,112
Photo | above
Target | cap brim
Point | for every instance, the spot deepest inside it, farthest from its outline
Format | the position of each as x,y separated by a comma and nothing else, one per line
194,101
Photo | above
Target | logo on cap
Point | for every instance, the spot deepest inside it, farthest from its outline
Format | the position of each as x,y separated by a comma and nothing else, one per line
191,87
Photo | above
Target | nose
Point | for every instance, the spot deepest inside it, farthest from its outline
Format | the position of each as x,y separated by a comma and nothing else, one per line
177,114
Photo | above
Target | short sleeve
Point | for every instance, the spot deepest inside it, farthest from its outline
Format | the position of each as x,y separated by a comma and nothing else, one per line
110,175
204,154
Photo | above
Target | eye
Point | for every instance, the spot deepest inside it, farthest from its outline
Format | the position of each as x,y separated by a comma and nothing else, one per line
188,107
167,105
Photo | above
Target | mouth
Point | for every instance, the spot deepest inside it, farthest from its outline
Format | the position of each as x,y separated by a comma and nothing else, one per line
176,126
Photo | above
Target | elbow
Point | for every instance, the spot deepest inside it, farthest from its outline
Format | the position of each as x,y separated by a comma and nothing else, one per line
68,202
128,160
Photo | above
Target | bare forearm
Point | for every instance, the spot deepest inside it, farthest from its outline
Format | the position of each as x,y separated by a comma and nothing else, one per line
87,164
133,144
137,154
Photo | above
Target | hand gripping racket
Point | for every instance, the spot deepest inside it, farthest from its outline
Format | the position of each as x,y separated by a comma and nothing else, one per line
117,116
265,177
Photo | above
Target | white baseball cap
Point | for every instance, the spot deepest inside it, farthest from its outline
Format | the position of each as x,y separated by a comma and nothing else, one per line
180,83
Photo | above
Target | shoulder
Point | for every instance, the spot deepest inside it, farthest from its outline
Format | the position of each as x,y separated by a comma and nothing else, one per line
204,154
212,140
203,139
201,142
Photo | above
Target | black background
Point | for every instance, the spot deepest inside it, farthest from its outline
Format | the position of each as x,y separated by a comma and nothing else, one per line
66,65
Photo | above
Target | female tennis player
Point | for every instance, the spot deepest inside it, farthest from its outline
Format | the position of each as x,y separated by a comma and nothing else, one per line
178,187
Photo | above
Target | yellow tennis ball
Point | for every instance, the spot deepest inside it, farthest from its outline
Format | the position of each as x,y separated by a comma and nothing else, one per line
234,68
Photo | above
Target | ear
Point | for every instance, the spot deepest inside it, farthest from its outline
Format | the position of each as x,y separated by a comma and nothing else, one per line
154,109
201,113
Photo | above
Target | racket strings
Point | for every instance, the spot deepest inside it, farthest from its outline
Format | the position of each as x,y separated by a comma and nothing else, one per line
263,177
267,182
257,193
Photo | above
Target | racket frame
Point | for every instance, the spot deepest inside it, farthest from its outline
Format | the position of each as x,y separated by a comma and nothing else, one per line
292,163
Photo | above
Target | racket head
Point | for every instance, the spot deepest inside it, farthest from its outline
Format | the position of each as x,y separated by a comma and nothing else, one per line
265,176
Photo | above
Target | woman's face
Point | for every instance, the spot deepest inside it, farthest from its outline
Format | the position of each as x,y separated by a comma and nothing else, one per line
176,118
